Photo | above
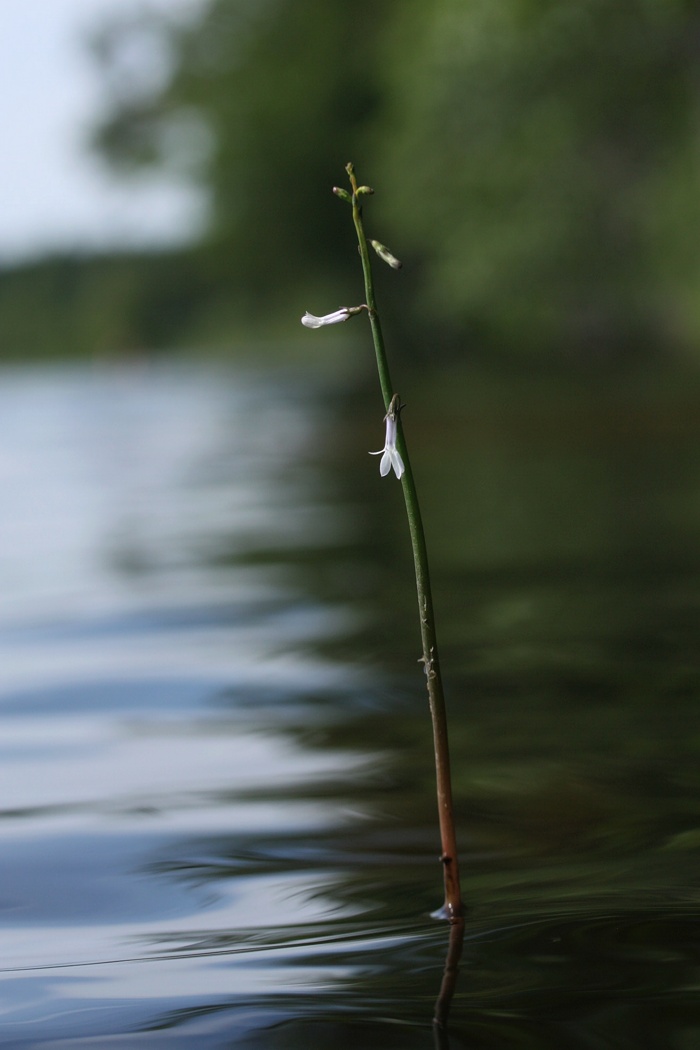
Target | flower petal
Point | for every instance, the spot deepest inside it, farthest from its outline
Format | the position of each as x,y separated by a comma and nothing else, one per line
385,464
311,321
397,462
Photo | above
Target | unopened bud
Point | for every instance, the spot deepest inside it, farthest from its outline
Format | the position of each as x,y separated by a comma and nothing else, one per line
384,254
365,189
343,194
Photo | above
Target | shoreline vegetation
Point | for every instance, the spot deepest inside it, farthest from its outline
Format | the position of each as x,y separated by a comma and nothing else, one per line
123,305
539,166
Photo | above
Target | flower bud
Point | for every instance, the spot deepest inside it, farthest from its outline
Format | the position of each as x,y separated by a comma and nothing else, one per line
384,254
343,194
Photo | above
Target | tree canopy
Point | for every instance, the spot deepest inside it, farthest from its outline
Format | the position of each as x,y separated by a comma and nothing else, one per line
536,161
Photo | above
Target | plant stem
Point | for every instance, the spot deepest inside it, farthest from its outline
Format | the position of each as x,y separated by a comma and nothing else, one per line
449,858
449,982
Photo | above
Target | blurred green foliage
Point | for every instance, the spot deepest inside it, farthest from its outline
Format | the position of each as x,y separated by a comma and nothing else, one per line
535,161
104,306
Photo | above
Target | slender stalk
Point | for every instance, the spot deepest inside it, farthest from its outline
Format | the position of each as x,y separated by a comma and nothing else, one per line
449,858
449,982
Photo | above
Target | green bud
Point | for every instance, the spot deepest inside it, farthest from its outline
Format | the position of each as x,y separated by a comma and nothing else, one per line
343,194
384,254
365,189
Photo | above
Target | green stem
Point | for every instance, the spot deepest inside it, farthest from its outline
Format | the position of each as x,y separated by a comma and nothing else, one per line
450,861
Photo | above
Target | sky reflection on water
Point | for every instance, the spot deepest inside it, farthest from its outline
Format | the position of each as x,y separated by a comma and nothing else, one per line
128,762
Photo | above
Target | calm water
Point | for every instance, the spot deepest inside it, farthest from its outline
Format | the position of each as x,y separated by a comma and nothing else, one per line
216,793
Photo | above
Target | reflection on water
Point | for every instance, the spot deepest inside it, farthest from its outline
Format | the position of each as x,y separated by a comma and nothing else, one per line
216,793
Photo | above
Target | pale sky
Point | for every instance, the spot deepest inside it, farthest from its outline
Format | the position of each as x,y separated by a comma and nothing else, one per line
53,195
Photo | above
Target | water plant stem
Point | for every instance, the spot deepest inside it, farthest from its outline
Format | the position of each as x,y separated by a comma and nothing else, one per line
430,659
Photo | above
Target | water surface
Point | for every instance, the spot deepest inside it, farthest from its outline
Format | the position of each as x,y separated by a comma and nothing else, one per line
217,804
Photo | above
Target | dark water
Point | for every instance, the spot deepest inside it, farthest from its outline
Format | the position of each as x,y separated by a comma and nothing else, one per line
216,792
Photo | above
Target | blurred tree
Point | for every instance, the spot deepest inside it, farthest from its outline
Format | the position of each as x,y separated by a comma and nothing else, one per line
538,159
266,102
553,145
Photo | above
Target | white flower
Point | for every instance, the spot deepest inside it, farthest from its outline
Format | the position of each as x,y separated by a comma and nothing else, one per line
390,455
311,321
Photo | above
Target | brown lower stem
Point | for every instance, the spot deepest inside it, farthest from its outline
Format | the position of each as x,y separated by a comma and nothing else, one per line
449,857
449,979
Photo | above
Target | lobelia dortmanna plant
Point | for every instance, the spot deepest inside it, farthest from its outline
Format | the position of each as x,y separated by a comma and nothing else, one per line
395,457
